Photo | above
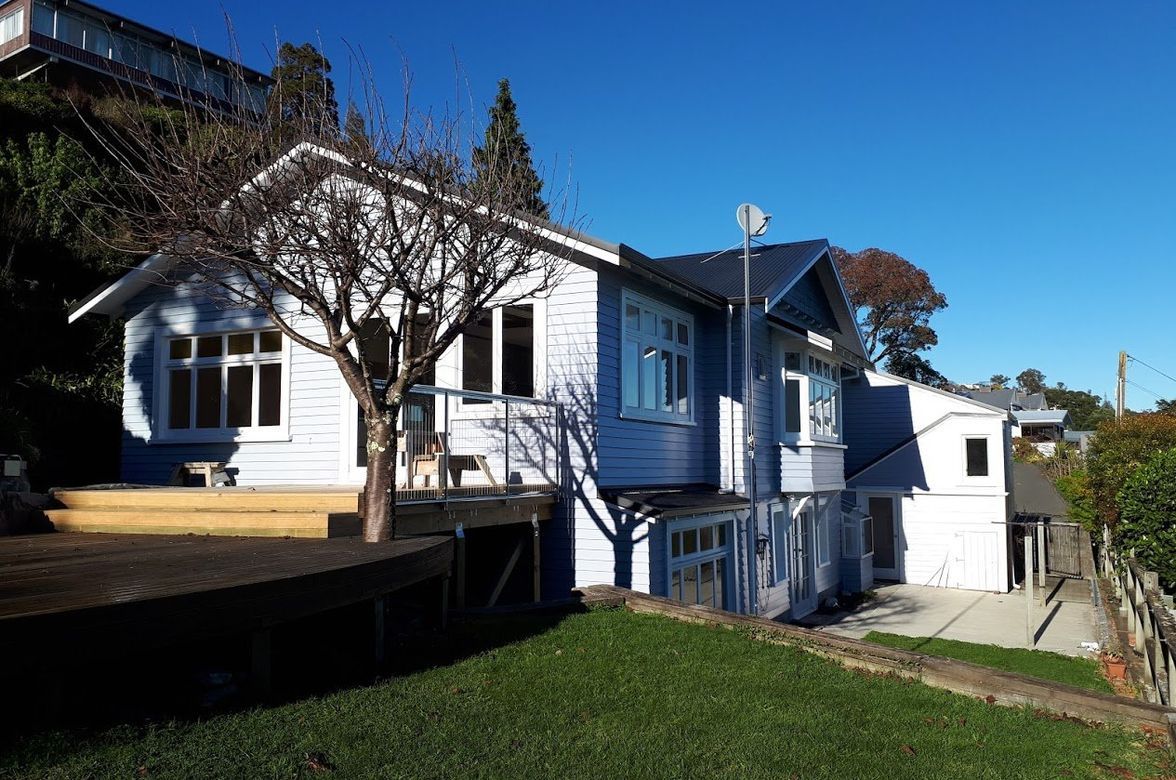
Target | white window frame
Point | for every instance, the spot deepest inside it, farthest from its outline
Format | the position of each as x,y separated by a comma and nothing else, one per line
726,552
538,353
781,544
15,20
643,341
824,376
823,528
160,432
987,455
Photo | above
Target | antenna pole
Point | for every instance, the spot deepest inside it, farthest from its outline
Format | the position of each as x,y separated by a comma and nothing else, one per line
748,421
1121,387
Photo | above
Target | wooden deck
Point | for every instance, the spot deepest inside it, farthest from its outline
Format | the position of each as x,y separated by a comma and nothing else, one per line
294,511
65,597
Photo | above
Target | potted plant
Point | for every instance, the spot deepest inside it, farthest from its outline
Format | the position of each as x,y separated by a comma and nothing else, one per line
1115,665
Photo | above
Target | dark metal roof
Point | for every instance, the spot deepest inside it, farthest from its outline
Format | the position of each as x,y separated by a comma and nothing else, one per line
773,267
678,500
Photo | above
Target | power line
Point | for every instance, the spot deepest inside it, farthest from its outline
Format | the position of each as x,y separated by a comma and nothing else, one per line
1153,368
1144,389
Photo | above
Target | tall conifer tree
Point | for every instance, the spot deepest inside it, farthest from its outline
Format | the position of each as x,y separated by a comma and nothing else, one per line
506,152
304,95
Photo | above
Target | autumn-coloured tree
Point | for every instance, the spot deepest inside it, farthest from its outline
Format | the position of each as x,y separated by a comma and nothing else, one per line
894,301
1031,380
334,240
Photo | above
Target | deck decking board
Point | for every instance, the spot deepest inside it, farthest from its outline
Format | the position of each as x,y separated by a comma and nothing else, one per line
61,592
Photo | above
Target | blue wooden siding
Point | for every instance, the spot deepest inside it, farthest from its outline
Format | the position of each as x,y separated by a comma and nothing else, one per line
639,453
311,456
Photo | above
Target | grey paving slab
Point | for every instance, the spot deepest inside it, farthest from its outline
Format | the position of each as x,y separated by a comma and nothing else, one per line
1061,625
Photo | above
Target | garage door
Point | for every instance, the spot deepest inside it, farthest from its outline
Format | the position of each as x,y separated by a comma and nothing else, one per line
977,568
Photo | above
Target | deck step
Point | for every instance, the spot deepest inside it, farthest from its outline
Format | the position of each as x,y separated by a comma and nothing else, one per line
302,524
217,499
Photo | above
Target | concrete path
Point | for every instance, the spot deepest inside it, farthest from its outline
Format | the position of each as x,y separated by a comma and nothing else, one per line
1067,620
1034,494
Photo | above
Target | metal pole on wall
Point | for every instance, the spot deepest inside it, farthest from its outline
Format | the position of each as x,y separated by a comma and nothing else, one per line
1029,589
748,420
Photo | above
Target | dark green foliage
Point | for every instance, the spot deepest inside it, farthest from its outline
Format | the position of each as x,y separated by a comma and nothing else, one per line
354,129
1147,516
1031,380
912,366
304,96
506,151
1082,672
1117,449
611,694
1075,488
1166,406
999,381
60,384
1087,410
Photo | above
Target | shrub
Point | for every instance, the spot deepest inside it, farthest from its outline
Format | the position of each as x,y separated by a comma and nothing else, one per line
1024,451
1075,488
1117,449
1147,516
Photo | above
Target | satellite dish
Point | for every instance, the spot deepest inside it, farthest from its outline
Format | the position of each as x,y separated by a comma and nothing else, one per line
752,219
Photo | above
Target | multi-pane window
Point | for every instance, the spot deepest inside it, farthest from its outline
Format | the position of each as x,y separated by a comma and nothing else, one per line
698,564
11,25
976,456
224,381
824,399
657,361
826,507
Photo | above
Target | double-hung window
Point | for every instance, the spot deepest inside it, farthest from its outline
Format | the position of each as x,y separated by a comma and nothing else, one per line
218,385
657,361
824,399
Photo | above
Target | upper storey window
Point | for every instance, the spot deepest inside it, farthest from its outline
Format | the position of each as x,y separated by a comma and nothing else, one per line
657,361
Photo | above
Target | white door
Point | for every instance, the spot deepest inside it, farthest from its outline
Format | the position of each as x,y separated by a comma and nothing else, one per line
804,593
887,532
978,569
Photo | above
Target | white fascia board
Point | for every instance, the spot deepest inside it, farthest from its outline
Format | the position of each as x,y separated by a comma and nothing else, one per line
110,299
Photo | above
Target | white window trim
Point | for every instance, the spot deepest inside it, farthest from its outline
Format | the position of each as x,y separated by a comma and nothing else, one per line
781,543
160,433
823,520
662,309
701,556
964,455
17,23
538,360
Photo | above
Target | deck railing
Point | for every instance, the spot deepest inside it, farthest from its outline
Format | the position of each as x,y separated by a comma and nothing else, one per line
462,444
1151,628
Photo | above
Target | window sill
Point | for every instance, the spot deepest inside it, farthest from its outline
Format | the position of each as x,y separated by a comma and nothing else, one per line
813,443
221,437
637,417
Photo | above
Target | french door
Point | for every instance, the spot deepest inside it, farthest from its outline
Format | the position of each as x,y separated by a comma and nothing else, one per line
804,593
884,511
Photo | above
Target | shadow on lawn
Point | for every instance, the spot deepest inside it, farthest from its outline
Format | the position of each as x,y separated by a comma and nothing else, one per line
311,657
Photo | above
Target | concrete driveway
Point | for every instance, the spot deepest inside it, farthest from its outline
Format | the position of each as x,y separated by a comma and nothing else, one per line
1067,619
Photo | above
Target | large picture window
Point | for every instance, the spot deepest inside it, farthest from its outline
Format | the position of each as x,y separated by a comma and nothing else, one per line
498,353
657,361
699,561
223,383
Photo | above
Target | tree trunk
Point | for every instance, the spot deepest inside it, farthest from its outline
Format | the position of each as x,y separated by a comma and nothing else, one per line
379,507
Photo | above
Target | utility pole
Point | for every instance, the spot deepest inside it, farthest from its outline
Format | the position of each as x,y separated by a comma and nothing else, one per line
1121,387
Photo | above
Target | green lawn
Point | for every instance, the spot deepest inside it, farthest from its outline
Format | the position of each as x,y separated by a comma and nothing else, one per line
611,694
1083,672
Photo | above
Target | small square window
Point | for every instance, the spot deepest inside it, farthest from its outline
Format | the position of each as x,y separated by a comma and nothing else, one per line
683,334
271,341
180,349
208,346
241,344
632,317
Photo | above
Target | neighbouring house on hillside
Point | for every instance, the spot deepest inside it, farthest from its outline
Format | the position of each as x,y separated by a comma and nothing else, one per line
933,471
69,42
1009,398
1033,419
637,479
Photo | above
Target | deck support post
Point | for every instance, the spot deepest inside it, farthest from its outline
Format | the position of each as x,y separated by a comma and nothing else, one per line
459,567
379,645
506,572
536,582
261,657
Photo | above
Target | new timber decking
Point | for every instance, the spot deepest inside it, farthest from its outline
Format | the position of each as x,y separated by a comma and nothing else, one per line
294,511
65,597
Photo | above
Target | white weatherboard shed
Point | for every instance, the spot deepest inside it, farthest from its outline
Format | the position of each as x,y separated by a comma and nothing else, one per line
933,470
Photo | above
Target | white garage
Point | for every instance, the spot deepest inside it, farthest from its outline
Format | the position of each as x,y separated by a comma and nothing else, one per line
933,471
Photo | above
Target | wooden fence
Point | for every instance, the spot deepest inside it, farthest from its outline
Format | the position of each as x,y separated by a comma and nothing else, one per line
1150,625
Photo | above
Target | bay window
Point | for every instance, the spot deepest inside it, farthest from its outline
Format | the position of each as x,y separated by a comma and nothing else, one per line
657,361
824,399
218,385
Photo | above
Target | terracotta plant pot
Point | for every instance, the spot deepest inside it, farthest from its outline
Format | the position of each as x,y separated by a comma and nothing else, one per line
1116,668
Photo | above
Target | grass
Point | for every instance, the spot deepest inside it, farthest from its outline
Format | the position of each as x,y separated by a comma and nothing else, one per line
1082,672
610,694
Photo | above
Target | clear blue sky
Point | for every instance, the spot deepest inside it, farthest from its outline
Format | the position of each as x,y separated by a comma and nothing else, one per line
1022,153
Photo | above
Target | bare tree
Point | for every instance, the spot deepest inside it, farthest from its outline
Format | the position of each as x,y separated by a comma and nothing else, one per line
333,239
